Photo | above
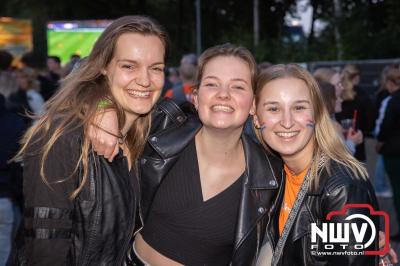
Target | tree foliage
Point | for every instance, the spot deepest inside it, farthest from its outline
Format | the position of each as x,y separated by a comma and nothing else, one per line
369,28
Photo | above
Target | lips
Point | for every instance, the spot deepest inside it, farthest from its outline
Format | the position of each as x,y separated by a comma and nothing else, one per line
287,135
139,94
222,108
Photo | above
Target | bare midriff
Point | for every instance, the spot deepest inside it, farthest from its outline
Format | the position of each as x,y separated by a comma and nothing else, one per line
150,255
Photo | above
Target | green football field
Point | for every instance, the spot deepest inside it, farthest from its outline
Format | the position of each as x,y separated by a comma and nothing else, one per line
64,44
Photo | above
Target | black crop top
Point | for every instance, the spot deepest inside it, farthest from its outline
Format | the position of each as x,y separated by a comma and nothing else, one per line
182,226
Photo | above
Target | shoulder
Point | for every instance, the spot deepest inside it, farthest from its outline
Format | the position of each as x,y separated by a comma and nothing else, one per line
172,129
340,179
69,141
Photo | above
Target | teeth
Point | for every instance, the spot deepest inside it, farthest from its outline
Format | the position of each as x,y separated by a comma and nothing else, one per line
136,93
223,108
287,134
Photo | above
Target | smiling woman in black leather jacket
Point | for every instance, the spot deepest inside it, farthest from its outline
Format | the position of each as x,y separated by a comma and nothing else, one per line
79,208
320,175
206,186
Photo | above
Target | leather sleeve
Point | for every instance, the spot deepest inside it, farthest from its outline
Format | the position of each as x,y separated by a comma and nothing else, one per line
48,210
335,200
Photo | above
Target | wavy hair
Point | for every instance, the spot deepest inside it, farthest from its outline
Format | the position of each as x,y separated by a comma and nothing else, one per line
75,104
328,143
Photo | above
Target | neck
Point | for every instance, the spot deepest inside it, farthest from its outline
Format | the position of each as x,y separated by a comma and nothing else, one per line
219,145
301,160
129,120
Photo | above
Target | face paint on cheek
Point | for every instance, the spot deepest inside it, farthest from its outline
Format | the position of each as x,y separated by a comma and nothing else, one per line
310,123
262,128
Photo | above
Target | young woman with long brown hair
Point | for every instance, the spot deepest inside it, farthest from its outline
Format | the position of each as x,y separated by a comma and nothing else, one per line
79,208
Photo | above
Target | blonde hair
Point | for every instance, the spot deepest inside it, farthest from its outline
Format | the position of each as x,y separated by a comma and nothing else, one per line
348,74
328,143
393,75
75,103
324,74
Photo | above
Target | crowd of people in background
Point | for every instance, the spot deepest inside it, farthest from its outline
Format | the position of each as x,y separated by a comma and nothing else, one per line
357,115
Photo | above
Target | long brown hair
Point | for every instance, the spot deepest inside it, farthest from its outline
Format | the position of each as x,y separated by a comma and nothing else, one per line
75,103
328,143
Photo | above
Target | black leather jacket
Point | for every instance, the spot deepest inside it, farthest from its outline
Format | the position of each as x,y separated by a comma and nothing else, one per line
334,191
259,186
93,229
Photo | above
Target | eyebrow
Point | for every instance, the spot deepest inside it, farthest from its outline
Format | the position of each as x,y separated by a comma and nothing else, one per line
275,102
235,79
135,62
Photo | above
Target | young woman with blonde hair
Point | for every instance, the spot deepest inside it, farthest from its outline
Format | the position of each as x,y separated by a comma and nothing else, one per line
356,105
79,208
319,175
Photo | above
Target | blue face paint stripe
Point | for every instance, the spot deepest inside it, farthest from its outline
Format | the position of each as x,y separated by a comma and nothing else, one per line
310,125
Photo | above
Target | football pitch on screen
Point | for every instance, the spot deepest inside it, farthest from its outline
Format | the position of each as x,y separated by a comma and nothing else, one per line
66,43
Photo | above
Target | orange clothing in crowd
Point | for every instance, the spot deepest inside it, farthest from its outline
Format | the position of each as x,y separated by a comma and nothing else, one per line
292,187
187,90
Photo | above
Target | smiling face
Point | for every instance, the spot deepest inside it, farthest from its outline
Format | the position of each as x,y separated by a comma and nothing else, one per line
136,73
224,98
285,112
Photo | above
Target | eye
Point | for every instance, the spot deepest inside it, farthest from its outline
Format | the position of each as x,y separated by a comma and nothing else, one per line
158,69
210,84
238,87
300,107
272,109
128,66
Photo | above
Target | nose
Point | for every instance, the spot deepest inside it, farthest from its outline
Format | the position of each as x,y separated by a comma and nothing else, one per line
287,119
223,92
143,78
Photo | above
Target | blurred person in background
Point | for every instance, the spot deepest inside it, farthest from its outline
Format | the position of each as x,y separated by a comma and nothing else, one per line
183,91
389,138
333,103
382,97
356,101
27,100
173,76
12,129
50,78
74,59
8,82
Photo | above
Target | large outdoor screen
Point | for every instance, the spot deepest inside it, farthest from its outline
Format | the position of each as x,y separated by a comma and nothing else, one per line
15,35
65,38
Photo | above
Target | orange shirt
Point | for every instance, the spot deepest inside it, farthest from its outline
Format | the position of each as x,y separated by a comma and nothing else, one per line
292,187
187,90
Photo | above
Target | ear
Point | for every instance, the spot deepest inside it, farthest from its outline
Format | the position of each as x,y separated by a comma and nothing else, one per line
253,108
256,122
196,98
104,72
